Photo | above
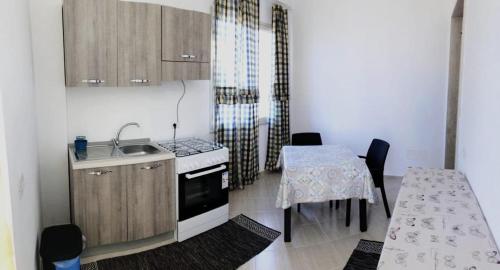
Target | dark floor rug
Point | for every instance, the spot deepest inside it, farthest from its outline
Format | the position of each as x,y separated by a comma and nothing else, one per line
227,246
365,256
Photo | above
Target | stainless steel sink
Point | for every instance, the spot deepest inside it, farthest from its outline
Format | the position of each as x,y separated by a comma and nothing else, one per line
139,150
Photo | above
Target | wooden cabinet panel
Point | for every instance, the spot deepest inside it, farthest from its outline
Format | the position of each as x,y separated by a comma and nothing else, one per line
174,71
99,204
203,37
90,42
139,44
151,199
186,35
176,42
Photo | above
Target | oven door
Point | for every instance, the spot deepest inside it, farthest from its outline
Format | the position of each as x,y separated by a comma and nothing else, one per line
202,190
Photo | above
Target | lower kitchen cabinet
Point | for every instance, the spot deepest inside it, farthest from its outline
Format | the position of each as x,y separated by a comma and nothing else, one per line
99,204
150,199
124,203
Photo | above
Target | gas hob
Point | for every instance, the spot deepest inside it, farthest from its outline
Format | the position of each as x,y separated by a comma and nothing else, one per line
189,146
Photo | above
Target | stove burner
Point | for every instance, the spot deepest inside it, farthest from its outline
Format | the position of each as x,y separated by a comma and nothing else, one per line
189,146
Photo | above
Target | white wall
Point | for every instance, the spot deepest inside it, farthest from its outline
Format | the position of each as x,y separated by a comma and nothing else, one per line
48,60
99,112
479,122
366,69
19,134
7,256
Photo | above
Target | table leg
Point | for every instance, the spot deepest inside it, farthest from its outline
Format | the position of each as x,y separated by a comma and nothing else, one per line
288,224
348,213
362,215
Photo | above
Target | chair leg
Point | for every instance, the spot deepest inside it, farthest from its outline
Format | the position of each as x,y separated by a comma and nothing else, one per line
362,215
337,204
331,204
298,207
348,213
386,205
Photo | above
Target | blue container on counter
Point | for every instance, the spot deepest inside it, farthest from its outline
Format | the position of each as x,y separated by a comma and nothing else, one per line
81,144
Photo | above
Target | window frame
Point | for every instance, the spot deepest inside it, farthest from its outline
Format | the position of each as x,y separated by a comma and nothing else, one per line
266,27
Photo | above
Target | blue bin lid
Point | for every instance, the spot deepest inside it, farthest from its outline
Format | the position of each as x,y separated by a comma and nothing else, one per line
68,263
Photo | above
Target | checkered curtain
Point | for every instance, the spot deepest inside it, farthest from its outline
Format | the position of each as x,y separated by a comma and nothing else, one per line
279,127
236,87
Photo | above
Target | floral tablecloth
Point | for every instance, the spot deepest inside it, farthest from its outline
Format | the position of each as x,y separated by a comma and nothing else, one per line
322,173
438,224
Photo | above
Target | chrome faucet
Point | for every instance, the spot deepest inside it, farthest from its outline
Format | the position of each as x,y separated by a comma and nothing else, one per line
116,140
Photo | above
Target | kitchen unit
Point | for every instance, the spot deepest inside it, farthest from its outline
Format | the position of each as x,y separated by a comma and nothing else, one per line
109,43
122,193
186,38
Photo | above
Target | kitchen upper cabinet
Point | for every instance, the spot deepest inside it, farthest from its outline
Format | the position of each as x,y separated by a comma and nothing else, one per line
151,199
90,42
186,38
186,35
139,44
118,43
99,205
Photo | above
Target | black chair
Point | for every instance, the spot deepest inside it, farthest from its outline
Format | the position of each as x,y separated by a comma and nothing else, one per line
307,138
375,160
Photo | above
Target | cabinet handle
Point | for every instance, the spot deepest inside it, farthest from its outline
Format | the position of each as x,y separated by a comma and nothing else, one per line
139,81
192,56
185,56
152,167
93,81
191,176
99,173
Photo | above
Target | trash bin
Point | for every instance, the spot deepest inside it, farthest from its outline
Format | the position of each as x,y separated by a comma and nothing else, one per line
60,247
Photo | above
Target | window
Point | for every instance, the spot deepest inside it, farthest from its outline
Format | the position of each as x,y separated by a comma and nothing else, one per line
265,71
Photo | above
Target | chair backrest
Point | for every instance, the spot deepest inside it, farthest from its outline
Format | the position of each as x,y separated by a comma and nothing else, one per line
308,138
375,160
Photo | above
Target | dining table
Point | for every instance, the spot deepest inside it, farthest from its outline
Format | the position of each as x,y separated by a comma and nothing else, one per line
320,173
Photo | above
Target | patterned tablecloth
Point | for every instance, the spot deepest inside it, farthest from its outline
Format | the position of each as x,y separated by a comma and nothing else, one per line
438,224
322,173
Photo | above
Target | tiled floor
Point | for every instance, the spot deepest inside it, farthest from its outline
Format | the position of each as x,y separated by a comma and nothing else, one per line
320,239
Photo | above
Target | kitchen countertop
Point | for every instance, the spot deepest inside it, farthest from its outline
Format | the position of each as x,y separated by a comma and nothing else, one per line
104,154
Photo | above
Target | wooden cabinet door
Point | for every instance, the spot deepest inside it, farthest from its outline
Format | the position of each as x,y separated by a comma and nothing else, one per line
186,35
202,37
177,34
99,204
90,42
151,199
139,44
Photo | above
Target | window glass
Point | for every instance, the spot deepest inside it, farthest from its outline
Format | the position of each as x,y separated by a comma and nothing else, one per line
265,71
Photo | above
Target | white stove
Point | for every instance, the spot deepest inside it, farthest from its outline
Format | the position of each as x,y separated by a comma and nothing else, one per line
194,154
202,185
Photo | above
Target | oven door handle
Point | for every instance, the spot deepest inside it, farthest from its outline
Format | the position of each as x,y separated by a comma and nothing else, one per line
191,176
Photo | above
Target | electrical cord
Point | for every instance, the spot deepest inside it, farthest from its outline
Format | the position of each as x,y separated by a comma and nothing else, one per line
178,103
